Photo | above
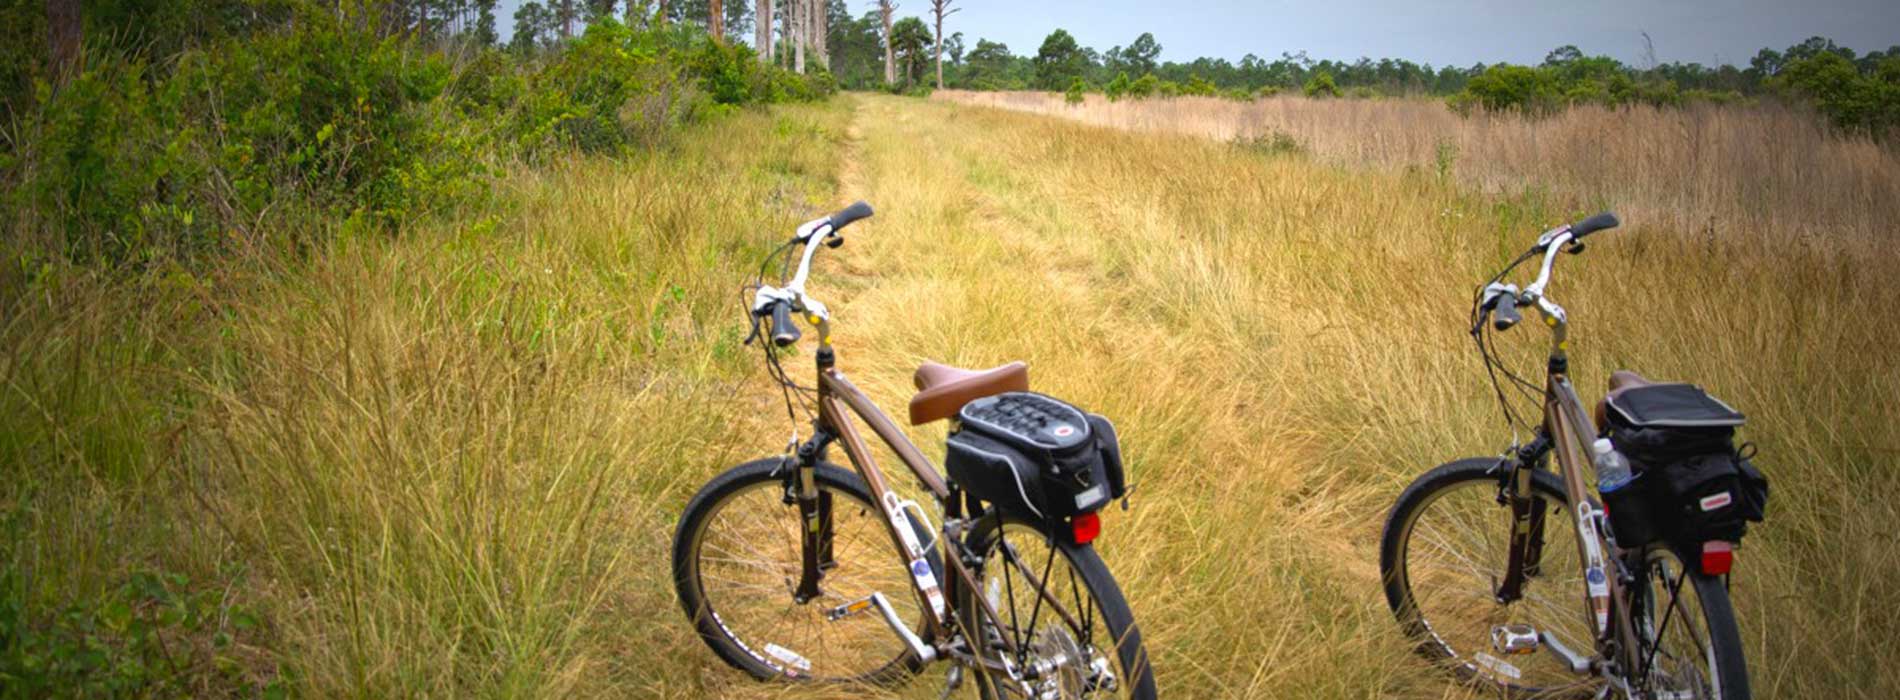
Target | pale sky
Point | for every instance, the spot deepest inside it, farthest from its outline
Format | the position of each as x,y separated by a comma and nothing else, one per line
1456,32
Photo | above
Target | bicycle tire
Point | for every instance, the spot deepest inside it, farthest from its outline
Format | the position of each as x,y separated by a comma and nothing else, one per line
1137,674
1719,627
1474,665
689,583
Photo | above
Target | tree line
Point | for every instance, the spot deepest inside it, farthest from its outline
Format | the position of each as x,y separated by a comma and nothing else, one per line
1857,91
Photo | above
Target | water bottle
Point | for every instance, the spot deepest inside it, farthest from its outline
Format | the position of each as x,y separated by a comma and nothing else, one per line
1613,469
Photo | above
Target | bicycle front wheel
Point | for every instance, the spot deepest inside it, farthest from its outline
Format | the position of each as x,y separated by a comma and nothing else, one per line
737,561
1444,550
1063,626
1691,646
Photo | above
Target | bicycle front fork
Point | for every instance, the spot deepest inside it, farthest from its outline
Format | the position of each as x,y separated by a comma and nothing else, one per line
814,515
1527,516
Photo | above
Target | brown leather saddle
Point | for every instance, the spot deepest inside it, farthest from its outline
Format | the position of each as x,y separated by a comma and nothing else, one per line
942,389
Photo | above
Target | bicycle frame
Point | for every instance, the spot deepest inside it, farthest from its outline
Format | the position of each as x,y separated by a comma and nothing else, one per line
838,400
1566,430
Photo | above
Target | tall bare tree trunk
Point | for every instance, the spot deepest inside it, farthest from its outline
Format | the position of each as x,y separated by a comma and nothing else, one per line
762,30
785,33
801,26
884,10
716,22
659,18
65,33
820,33
942,9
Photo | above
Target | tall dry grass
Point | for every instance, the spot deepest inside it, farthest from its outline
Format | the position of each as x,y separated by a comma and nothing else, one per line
449,464
1282,344
439,465
1765,172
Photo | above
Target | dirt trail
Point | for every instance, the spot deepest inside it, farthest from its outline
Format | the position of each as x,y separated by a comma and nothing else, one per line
990,245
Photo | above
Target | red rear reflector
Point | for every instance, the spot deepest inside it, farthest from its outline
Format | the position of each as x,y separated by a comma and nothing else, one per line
1717,557
1086,527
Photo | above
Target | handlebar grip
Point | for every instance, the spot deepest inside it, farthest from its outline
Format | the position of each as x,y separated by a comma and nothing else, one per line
784,332
850,214
1505,314
1605,220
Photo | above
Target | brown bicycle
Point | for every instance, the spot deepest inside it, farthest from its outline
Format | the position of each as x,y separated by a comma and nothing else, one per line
1511,576
792,567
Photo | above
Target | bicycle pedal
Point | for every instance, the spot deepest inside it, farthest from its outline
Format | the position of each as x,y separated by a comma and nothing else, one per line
849,609
1514,639
924,652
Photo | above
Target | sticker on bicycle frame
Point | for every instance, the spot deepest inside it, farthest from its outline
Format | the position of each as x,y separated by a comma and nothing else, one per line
1497,667
1720,500
788,657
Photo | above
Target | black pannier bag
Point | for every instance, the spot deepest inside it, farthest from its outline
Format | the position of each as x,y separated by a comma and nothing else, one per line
1035,457
1691,484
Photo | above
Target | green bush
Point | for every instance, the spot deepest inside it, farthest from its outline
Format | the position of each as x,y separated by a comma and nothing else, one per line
132,160
1508,87
311,109
1118,87
1077,89
1199,87
1865,102
1145,87
151,637
1321,85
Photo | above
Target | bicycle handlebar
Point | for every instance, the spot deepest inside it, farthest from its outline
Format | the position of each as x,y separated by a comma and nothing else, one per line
845,217
1605,220
1505,315
779,303
784,332
1502,306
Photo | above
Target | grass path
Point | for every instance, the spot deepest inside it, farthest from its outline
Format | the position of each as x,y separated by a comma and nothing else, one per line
974,262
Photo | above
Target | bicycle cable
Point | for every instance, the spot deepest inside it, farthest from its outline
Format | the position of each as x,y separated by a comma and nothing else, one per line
788,388
1486,342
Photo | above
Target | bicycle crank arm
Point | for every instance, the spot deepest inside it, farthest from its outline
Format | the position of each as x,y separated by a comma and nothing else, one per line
1577,663
924,652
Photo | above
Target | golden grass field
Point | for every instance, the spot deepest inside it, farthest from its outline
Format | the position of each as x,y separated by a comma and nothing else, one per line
449,464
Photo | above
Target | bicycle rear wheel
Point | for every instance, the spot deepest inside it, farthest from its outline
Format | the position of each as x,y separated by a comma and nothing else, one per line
736,567
1692,648
1445,547
1092,651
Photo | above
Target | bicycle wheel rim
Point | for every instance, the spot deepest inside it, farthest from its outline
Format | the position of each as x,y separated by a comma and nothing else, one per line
746,564
1099,625
1455,545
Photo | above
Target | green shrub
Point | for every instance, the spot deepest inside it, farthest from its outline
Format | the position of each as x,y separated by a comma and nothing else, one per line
305,108
1866,102
1199,87
1145,87
150,637
1321,85
1077,89
1118,87
1508,87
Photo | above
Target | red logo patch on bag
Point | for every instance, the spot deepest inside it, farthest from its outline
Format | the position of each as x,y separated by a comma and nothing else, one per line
1720,500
